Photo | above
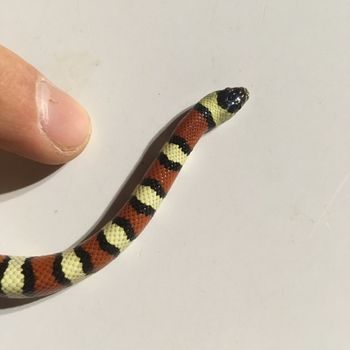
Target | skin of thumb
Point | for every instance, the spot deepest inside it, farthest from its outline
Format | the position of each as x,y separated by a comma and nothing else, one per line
38,120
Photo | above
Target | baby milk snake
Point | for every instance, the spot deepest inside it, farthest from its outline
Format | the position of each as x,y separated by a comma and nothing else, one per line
25,277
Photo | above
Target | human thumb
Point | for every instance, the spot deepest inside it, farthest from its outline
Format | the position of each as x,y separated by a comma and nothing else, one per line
38,120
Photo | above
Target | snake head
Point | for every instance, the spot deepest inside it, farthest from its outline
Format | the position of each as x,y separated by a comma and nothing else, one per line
232,99
221,105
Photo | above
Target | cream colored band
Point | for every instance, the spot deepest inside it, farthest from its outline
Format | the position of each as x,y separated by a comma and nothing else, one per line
72,266
13,280
116,236
218,113
174,153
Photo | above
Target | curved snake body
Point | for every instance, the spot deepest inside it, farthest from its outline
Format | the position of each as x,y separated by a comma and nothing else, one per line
25,277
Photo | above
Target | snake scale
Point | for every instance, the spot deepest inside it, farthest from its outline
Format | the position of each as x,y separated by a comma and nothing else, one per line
26,277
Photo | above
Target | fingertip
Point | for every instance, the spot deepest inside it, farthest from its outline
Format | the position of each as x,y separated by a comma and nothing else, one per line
64,121
38,120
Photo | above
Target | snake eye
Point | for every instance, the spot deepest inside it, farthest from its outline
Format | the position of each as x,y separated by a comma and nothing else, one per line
232,99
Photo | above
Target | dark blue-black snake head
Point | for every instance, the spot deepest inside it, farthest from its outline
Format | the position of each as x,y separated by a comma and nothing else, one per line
232,99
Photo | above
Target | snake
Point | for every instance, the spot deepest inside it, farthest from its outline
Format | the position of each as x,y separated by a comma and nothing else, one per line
39,276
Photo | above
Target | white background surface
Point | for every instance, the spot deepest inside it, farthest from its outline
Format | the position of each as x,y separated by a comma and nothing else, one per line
251,248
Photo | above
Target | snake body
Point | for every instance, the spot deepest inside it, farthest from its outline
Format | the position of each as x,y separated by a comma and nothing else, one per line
25,277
